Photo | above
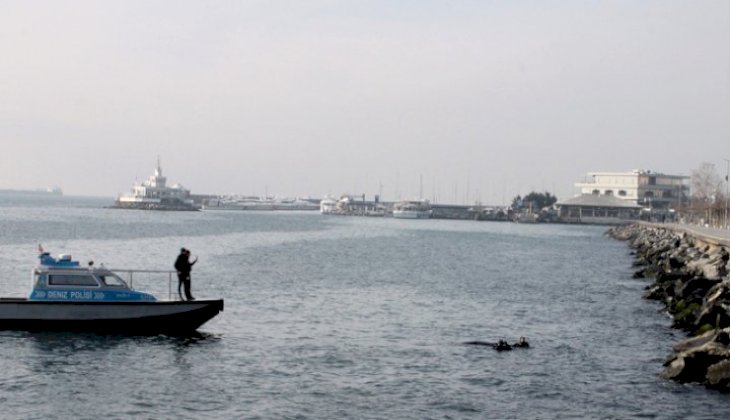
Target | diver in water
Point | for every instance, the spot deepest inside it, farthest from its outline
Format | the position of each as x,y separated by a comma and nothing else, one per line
479,343
522,343
502,346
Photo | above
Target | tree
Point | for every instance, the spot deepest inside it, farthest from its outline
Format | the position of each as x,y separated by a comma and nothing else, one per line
535,200
708,198
706,183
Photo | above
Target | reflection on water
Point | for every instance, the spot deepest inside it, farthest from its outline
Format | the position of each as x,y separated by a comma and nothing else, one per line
51,351
76,372
78,342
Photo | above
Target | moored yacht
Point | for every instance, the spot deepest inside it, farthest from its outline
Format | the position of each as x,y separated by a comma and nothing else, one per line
415,209
328,205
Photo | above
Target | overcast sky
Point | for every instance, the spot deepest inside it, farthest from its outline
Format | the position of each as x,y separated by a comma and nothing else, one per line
463,100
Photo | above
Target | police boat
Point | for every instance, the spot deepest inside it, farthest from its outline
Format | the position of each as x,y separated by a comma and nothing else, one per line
68,297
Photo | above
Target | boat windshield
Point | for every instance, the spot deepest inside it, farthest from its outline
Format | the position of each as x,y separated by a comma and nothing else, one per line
111,280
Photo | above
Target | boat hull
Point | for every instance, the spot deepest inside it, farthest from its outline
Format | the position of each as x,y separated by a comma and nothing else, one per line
137,318
132,205
408,214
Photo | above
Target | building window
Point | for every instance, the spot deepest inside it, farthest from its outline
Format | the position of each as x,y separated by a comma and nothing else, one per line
649,194
596,192
652,180
667,194
622,193
609,193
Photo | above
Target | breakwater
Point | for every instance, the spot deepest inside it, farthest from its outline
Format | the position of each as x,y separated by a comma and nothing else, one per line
690,275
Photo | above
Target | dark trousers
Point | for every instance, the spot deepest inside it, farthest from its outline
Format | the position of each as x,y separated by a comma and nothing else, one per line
184,279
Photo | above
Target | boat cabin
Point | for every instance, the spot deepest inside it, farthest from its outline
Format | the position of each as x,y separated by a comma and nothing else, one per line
63,279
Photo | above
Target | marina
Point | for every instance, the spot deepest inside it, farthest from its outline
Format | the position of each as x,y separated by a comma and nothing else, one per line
255,203
348,205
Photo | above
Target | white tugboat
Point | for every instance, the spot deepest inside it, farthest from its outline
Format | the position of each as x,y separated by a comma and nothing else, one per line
154,194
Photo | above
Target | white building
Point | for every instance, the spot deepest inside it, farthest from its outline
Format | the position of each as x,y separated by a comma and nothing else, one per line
597,209
642,187
154,194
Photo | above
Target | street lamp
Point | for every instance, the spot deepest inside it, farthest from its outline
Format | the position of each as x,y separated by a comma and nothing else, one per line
727,175
710,210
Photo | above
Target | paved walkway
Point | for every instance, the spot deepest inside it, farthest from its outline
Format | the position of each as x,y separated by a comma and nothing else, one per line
712,235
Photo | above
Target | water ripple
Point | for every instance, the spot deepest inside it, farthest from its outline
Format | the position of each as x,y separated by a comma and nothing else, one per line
351,318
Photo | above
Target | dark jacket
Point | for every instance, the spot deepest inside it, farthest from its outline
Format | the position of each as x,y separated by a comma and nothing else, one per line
183,264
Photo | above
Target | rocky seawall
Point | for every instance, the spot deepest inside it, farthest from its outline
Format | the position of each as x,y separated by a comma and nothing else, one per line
691,278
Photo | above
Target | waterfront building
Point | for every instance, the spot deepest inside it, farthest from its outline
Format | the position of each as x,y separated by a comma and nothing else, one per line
154,194
642,187
597,209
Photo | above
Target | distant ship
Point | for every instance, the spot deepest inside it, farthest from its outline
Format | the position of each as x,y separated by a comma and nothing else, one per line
154,194
48,191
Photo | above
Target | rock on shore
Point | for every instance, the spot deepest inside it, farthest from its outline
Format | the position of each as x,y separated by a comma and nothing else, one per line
691,278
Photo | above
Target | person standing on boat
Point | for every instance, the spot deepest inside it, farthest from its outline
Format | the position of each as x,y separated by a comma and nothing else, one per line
183,267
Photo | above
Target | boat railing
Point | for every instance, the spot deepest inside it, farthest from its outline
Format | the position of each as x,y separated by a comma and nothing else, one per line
130,274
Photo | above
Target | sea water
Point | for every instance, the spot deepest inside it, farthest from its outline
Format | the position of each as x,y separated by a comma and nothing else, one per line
346,317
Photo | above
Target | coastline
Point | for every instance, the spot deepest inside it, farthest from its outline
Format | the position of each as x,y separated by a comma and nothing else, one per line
689,266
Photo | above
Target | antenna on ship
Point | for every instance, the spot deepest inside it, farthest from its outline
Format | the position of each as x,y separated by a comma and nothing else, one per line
420,189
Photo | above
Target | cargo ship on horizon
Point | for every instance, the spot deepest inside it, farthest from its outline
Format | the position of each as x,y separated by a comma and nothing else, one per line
55,191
